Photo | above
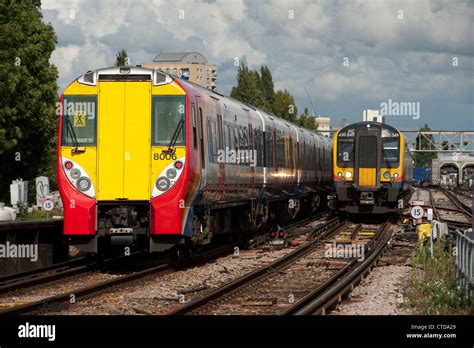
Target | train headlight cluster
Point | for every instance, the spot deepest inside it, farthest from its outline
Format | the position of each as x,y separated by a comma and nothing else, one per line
75,173
163,184
348,175
168,177
171,173
78,177
83,184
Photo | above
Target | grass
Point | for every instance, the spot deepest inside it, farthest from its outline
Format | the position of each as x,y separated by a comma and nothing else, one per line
36,215
432,288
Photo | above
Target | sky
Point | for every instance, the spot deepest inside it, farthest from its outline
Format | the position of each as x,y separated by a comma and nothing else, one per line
335,57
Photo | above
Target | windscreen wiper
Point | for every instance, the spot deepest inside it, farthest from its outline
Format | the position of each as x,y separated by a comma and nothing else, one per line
75,143
174,138
72,132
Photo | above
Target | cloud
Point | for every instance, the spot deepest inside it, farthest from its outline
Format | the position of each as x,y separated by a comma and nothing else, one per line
399,50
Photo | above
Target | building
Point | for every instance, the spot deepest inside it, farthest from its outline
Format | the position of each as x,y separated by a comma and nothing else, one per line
323,124
453,170
192,66
372,116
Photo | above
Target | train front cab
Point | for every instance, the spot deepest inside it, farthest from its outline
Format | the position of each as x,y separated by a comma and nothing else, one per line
119,183
368,170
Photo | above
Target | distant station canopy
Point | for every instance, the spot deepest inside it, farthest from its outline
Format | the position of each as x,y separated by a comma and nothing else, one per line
192,66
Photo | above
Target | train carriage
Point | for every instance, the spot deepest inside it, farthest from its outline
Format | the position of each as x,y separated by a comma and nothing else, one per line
152,161
372,168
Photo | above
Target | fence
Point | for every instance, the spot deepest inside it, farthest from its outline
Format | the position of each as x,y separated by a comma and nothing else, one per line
465,261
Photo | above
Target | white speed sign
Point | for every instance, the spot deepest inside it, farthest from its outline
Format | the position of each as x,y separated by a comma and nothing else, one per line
417,212
48,205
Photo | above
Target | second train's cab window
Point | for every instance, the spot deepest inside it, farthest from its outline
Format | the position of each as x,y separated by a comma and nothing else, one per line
391,151
345,151
168,118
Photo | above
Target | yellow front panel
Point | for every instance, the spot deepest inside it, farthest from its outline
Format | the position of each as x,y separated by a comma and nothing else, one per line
367,177
110,140
86,160
137,141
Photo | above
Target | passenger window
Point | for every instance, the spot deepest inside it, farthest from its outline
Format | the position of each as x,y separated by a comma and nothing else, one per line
193,116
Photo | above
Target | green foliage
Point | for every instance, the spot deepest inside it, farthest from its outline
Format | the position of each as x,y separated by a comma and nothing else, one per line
248,87
28,93
266,85
306,121
22,210
258,89
432,286
38,215
121,58
285,106
423,159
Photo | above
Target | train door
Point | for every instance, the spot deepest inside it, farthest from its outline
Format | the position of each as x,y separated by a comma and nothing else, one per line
200,133
124,140
367,144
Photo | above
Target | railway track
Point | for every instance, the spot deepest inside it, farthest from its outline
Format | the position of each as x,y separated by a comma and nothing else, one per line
269,289
49,273
330,292
455,213
457,202
60,271
81,265
63,299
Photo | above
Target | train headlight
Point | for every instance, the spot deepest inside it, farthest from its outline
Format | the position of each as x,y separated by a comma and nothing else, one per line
348,175
395,175
75,173
163,183
83,184
339,174
386,175
171,173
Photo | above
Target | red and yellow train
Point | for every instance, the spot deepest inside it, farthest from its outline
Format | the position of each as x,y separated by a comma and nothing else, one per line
153,161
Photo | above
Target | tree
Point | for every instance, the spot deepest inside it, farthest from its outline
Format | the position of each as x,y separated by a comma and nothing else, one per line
248,87
29,93
306,121
423,159
121,59
285,106
267,87
258,90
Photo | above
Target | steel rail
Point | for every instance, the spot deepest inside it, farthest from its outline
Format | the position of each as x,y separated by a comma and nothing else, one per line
100,287
343,281
323,230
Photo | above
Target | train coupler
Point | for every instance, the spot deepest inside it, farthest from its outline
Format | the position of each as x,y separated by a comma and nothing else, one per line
367,198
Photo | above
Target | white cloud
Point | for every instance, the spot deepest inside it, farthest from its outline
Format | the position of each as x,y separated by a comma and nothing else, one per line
389,57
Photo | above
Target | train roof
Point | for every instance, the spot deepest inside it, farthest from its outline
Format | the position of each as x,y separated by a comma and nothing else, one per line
364,124
158,77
